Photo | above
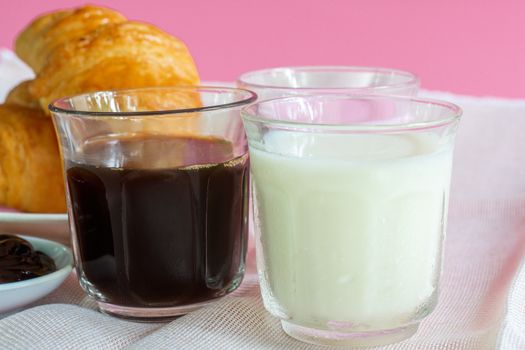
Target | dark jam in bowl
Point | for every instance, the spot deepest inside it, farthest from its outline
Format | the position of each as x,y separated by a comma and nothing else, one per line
155,231
19,261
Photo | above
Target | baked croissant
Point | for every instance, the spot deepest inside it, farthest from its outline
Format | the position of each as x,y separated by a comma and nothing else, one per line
116,56
74,52
30,168
50,31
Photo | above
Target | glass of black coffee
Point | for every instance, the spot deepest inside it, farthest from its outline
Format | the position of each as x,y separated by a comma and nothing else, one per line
157,187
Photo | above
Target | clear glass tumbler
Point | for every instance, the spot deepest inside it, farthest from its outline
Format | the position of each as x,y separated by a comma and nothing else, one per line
157,189
350,204
318,80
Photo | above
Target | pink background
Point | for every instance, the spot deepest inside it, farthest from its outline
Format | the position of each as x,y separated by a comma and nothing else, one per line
472,47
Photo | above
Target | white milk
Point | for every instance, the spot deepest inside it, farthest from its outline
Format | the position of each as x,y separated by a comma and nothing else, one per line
351,226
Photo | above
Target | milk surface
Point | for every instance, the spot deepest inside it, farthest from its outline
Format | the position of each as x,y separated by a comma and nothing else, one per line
351,226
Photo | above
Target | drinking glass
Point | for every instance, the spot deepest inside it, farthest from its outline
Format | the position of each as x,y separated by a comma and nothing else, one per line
350,197
157,185
318,80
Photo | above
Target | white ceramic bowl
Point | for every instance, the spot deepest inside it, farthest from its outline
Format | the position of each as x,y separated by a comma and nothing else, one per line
53,226
17,294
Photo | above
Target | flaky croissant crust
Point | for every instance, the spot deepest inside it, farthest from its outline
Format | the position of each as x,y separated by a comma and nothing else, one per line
72,52
48,32
116,56
30,166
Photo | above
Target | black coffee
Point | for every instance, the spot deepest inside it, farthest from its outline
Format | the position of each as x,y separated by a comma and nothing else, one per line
152,232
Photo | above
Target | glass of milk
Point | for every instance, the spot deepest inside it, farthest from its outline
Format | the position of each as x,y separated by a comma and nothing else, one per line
317,80
350,206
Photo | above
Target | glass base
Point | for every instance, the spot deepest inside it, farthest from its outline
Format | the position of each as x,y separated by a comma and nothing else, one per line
150,314
353,339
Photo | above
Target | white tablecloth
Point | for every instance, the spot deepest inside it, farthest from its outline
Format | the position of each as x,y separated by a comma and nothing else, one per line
482,301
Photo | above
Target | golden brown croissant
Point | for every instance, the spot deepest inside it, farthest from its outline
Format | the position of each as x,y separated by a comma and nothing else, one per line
74,52
21,96
50,31
116,56
30,168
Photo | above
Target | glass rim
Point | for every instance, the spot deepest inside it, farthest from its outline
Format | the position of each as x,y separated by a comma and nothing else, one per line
249,97
248,113
413,79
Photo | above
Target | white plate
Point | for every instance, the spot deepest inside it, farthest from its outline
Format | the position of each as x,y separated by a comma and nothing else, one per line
16,294
52,226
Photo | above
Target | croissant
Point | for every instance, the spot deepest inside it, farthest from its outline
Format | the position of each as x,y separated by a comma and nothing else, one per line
50,31
30,168
115,56
74,52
